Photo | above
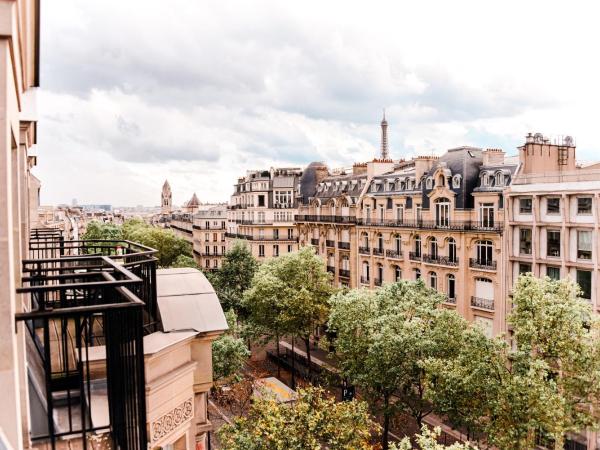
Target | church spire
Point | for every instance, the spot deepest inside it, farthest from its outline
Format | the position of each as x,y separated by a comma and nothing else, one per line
384,140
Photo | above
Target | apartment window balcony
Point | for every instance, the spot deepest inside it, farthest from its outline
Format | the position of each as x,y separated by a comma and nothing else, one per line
462,225
378,281
441,260
344,245
344,273
393,254
331,269
482,264
330,243
364,250
451,300
482,303
365,280
414,256
378,251
83,294
314,241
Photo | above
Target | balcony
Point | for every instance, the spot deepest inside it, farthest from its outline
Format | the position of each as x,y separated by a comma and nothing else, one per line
378,281
330,243
344,245
451,300
378,251
314,241
364,250
482,303
393,254
441,260
482,264
331,269
344,273
414,256
89,304
457,225
324,219
365,280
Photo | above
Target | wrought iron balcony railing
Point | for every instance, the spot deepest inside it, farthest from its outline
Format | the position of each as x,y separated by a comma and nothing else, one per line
456,225
344,273
483,303
88,304
330,243
365,280
314,241
378,281
325,219
364,250
377,251
331,269
485,264
441,260
393,254
414,256
344,245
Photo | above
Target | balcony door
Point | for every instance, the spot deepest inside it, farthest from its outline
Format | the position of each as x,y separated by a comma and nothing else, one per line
486,215
442,212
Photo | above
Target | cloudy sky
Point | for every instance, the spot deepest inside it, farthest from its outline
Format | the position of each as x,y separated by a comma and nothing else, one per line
198,92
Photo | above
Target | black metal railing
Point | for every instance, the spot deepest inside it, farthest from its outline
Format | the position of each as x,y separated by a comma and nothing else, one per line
365,280
378,281
344,273
378,251
330,243
483,303
457,225
325,219
314,241
344,245
451,300
85,320
414,256
485,264
331,269
441,260
393,254
364,250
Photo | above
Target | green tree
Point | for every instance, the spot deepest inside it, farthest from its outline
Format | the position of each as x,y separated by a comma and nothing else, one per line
234,277
168,245
289,295
382,338
229,352
312,422
101,230
548,383
185,261
428,440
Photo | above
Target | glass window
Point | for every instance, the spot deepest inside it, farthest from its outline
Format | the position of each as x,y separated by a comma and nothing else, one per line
584,205
584,280
584,244
553,243
289,249
417,245
553,272
485,252
451,287
261,250
433,280
417,274
553,205
451,250
433,248
524,268
525,205
397,273
525,241
276,250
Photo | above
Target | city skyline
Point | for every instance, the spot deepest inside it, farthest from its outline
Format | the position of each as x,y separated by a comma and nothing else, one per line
299,84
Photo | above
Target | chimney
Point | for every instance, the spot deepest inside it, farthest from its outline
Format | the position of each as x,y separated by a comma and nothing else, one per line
424,164
493,157
540,155
359,168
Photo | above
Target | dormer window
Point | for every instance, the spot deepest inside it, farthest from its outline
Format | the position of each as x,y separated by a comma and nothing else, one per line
499,181
456,179
485,181
429,183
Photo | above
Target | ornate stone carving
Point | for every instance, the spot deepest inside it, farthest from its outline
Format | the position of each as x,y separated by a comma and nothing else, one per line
171,420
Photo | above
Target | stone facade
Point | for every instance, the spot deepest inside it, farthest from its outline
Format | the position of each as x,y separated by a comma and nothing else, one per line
209,229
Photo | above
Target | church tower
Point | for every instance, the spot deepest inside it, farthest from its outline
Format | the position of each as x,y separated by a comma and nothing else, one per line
385,154
166,199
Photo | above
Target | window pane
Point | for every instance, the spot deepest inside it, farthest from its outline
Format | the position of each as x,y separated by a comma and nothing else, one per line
584,205
553,241
584,280
553,205
584,244
553,272
525,241
524,268
525,205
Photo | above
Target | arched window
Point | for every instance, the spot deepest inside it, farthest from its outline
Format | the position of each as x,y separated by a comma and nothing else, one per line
365,240
452,250
499,179
398,244
397,273
417,274
433,280
379,277
429,183
442,212
485,250
485,179
380,241
418,246
451,288
433,248
456,179
366,272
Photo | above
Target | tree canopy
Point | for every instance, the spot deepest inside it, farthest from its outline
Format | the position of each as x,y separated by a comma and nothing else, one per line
383,336
313,422
229,352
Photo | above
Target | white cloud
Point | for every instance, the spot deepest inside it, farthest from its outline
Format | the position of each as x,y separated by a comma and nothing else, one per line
198,92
